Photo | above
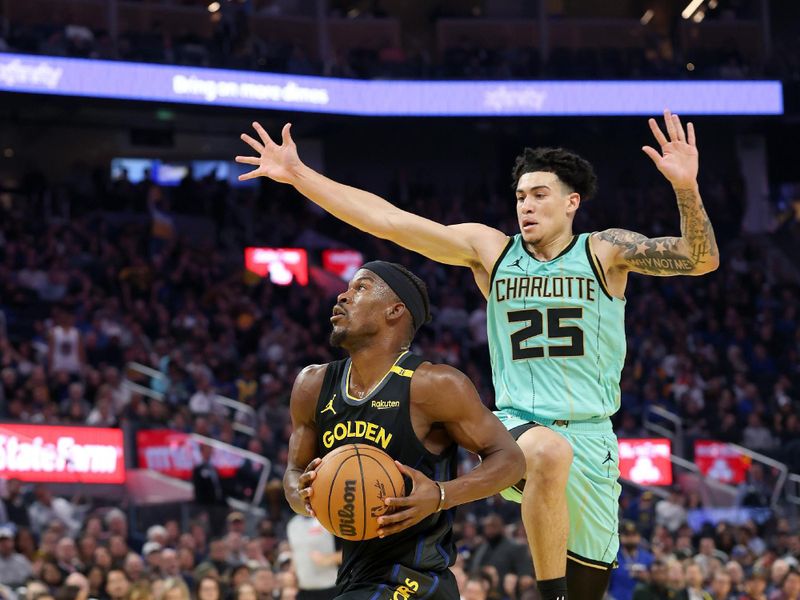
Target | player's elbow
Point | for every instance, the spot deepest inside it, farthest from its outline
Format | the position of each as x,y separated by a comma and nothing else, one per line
709,265
514,464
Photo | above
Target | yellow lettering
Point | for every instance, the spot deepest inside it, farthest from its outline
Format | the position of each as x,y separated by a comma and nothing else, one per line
327,439
340,431
382,438
371,429
413,585
361,428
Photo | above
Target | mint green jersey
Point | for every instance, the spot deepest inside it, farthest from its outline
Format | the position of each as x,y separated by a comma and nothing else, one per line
556,336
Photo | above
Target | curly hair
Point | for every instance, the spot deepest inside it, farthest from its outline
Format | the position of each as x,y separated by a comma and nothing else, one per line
576,173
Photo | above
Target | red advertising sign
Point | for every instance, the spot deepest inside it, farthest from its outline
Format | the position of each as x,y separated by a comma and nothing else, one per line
720,461
175,454
45,453
343,263
283,265
646,461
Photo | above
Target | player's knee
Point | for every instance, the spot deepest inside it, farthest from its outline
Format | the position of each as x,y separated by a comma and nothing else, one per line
549,459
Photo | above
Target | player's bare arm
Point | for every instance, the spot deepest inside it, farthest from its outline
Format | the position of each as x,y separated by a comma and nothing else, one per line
695,252
303,443
468,244
442,395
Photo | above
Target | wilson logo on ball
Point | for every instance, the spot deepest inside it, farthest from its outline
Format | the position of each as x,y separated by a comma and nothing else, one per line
347,512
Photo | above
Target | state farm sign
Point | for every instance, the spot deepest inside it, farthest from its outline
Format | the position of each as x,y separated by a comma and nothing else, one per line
44,453
175,454
721,461
646,461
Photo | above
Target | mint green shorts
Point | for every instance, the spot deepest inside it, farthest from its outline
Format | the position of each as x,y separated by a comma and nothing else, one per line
592,488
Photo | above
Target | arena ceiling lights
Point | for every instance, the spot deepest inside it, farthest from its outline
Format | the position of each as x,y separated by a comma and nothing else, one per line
268,91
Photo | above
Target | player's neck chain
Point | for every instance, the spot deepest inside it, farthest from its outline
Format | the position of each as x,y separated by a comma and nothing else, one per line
361,394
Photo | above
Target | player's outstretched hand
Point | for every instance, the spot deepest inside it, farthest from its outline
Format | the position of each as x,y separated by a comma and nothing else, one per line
304,489
410,510
678,160
278,162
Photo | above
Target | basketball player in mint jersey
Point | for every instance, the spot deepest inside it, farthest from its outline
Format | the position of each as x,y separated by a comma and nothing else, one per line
418,413
555,318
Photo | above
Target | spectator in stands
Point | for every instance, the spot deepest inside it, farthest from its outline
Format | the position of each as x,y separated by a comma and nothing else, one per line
314,557
755,586
67,556
633,559
208,588
475,588
117,584
721,588
264,582
14,568
15,504
671,513
790,587
655,587
209,490
47,508
500,552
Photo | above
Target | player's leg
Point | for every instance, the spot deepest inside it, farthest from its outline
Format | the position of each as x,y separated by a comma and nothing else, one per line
593,499
548,457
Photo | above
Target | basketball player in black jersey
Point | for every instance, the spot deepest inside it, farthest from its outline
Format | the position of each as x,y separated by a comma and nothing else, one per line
417,412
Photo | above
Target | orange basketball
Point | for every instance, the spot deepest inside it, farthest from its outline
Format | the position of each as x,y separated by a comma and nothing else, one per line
350,487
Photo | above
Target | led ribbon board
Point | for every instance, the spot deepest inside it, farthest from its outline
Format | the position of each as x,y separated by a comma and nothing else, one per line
256,90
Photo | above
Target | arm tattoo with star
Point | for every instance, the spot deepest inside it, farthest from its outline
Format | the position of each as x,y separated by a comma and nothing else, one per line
670,255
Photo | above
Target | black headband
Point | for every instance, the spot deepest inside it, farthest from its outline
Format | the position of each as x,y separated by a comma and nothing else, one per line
404,287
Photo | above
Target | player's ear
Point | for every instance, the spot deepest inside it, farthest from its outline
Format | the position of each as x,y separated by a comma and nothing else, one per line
573,202
395,312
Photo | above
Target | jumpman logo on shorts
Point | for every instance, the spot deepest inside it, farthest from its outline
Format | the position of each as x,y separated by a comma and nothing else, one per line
608,457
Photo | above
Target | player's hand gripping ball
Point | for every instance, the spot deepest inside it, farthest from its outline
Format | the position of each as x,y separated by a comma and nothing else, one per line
349,490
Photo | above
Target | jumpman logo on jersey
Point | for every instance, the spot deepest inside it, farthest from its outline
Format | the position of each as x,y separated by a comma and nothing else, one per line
516,264
329,406
608,456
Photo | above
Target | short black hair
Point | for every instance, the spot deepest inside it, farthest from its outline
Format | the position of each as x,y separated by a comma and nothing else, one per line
577,173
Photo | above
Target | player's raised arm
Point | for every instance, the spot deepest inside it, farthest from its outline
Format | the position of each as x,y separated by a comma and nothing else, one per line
695,252
447,396
303,443
455,245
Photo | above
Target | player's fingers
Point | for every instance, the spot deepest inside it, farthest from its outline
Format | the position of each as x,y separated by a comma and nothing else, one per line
670,125
690,134
397,517
397,527
678,128
306,492
312,466
652,153
657,133
262,133
407,471
251,175
286,134
252,143
306,479
310,511
248,160
397,502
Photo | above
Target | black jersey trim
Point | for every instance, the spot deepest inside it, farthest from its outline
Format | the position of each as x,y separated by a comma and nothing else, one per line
500,258
598,272
560,254
345,386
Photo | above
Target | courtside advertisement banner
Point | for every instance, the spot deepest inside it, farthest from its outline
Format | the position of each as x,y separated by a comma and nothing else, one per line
175,454
52,454
721,461
646,461
256,90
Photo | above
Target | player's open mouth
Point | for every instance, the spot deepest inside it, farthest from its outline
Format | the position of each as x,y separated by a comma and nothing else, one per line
337,313
527,225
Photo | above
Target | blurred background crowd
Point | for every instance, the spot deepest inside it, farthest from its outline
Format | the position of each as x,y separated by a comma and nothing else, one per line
98,272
